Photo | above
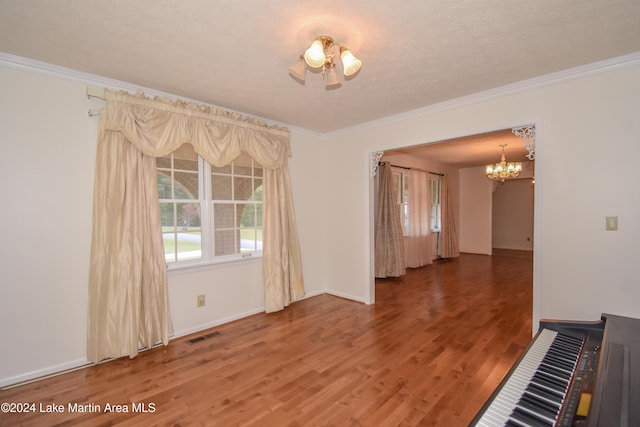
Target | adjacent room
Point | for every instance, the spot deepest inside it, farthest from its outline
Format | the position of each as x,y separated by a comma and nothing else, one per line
296,213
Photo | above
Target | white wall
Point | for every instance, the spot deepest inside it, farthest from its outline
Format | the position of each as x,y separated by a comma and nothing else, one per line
580,270
475,211
584,124
512,217
46,166
46,169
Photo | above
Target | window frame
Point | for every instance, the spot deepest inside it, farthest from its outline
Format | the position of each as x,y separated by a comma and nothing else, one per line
207,229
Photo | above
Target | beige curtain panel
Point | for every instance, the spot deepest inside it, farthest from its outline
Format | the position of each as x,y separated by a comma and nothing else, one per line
128,300
449,237
389,243
418,238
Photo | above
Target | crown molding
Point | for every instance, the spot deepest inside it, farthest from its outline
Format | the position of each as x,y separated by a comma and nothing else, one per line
55,71
576,73
50,70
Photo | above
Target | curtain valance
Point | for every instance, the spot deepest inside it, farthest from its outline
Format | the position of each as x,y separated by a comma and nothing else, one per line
159,126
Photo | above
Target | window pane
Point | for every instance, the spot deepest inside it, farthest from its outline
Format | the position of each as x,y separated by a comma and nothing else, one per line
220,187
222,169
167,216
185,165
169,240
163,162
167,219
164,185
225,242
223,216
242,189
189,244
242,170
257,193
246,215
259,215
188,237
250,240
189,215
186,185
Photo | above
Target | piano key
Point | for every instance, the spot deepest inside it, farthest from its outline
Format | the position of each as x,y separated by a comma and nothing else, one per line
506,399
549,383
562,362
570,339
543,393
535,389
538,405
529,419
553,371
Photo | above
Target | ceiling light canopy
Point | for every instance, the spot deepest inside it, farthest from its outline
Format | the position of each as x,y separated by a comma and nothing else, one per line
321,54
503,170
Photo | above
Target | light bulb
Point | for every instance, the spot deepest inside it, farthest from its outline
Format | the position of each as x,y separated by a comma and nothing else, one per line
350,64
314,56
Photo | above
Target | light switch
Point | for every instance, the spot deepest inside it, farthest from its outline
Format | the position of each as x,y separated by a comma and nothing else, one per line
612,223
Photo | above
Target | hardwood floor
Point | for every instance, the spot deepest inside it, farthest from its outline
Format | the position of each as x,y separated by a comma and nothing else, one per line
429,352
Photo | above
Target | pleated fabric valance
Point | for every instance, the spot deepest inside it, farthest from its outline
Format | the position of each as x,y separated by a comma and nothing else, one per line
159,126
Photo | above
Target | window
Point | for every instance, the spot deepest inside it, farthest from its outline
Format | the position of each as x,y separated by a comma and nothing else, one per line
179,191
401,183
209,214
436,207
236,193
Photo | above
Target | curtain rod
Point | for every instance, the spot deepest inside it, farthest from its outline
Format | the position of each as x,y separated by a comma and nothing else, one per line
94,92
421,170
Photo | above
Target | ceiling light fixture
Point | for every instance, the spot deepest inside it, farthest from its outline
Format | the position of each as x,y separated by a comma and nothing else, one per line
503,170
320,55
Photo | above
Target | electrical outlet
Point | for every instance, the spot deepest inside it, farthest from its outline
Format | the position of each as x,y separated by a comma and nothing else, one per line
200,302
612,223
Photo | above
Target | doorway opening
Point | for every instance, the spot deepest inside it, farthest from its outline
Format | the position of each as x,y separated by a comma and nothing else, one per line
459,159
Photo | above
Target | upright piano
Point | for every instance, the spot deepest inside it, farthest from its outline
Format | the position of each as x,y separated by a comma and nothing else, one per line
572,374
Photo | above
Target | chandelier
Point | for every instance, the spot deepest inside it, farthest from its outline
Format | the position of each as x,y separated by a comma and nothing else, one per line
503,170
320,55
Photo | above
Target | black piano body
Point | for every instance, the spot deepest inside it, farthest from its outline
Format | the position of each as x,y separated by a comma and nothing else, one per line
572,374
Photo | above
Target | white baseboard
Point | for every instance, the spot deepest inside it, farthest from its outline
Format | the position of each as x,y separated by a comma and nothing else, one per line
43,373
218,322
345,296
39,374
314,294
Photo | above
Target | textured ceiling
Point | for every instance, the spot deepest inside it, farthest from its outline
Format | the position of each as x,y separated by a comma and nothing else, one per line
415,53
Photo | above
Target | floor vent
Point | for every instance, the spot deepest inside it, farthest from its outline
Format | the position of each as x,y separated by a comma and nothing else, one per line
203,337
